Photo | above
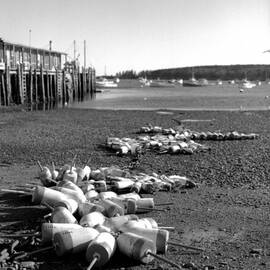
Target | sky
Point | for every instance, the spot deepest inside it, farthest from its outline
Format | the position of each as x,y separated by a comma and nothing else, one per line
143,34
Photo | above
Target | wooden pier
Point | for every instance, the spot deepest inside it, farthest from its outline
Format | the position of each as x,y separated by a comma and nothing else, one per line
29,76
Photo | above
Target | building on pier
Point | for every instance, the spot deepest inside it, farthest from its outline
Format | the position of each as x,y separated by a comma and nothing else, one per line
33,75
14,54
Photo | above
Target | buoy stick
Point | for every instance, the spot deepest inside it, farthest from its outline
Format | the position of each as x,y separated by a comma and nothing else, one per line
167,228
92,263
163,259
161,204
16,191
48,206
20,235
87,161
73,161
184,246
41,168
34,252
150,209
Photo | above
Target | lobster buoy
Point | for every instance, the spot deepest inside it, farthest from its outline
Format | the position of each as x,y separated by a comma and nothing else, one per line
61,214
136,247
48,230
100,250
92,219
73,241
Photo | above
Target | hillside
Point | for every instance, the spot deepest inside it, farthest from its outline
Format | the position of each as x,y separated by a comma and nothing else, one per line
252,72
223,72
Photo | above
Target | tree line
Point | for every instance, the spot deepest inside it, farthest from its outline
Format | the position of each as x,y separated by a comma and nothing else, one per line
222,72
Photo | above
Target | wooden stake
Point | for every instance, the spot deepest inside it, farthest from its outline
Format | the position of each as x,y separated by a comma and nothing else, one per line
33,252
48,206
95,259
15,191
162,204
184,246
163,259
167,228
150,209
41,168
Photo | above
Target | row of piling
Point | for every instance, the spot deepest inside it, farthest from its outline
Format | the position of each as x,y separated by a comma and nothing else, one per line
32,86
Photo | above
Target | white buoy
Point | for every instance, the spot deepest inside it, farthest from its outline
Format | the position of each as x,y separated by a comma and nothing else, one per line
74,241
107,195
112,209
71,175
115,223
48,230
70,185
87,172
88,207
92,219
45,175
122,185
140,249
136,247
47,195
70,204
159,237
100,250
131,195
62,215
80,174
70,193
91,195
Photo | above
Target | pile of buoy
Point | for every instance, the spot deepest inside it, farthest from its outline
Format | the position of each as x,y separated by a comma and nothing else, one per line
95,212
186,134
172,144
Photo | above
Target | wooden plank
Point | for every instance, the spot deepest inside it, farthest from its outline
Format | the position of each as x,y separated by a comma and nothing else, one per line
8,85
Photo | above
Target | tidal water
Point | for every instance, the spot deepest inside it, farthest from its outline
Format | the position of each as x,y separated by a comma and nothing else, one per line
213,97
131,96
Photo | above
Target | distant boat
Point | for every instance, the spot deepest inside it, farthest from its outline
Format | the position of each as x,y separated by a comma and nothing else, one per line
245,84
219,82
144,82
104,83
192,82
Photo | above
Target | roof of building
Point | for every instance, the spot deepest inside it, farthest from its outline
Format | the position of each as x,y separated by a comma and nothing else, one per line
28,47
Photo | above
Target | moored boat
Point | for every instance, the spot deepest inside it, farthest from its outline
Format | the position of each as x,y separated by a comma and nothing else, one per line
104,83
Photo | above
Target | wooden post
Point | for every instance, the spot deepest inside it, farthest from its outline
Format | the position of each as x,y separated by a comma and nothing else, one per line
30,94
19,83
36,85
2,89
42,83
64,87
89,80
8,85
79,84
47,86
